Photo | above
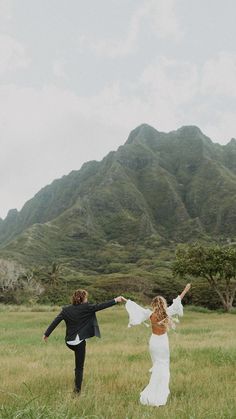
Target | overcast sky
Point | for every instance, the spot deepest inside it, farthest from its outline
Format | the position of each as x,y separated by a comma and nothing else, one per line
77,76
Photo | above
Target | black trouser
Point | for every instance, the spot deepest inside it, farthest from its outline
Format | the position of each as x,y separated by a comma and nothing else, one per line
79,351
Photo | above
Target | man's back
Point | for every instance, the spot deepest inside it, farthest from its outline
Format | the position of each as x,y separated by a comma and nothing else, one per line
80,319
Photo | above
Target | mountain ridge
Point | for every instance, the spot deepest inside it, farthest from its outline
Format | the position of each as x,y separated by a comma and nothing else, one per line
175,186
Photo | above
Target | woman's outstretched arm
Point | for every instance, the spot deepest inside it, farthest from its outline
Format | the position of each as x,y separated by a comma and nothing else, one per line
186,289
176,307
137,314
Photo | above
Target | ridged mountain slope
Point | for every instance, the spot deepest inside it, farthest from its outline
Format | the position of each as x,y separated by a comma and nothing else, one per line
175,187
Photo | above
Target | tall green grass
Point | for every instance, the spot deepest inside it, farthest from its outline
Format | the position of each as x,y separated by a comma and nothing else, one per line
26,308
37,378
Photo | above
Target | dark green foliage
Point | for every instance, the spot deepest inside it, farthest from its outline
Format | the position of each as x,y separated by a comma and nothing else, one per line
216,264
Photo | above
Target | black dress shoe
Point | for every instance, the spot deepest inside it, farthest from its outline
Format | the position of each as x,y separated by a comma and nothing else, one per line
76,392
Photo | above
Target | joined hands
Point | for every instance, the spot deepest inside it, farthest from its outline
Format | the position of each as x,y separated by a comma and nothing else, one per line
120,299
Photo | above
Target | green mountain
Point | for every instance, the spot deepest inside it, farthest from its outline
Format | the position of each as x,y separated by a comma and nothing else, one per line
156,190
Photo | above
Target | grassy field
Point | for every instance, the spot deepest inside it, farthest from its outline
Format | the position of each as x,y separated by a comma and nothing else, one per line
37,379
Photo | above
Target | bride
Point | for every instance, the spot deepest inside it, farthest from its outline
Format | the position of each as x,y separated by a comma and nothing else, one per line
157,390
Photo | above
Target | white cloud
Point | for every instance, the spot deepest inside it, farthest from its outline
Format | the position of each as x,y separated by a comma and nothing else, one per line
58,69
48,131
164,19
172,80
219,75
118,48
5,9
161,19
180,93
12,54
45,133
222,127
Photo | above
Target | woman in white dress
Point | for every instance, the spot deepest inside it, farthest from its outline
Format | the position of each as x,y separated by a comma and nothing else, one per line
157,390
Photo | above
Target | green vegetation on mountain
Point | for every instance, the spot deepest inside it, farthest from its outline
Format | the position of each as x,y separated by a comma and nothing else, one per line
114,225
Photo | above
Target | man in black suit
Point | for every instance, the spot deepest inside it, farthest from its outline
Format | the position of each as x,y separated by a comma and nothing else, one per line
81,324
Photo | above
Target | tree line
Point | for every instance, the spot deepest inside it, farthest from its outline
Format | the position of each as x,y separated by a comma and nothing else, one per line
214,264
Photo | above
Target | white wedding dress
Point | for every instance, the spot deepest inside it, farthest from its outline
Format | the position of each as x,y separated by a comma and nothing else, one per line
157,390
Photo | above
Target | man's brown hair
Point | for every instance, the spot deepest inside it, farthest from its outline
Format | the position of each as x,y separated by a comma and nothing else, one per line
79,296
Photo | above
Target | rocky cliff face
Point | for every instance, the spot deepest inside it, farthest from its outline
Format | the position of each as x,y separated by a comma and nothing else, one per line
177,186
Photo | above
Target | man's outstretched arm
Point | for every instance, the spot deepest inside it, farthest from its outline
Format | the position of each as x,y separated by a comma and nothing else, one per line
106,304
53,325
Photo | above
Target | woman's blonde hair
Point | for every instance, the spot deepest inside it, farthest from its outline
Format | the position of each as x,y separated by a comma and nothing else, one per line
159,306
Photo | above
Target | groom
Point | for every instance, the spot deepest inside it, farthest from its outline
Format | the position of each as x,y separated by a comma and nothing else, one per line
81,324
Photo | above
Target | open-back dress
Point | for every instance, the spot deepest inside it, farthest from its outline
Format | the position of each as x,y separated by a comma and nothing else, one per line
157,391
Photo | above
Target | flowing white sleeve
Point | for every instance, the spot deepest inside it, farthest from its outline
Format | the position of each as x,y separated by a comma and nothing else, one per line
175,308
137,314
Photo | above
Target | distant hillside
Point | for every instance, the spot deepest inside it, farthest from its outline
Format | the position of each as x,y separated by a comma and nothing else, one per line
172,185
124,215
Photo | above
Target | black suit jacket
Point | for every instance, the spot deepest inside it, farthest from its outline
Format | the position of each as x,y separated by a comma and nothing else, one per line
80,319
